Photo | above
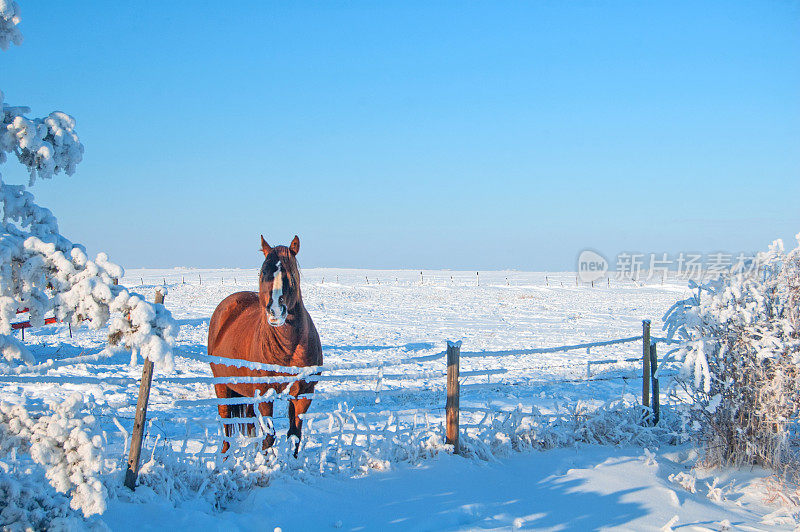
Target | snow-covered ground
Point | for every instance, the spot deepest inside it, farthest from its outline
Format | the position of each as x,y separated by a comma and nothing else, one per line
368,316
583,488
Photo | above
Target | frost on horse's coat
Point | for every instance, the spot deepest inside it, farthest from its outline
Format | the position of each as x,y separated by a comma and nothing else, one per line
271,326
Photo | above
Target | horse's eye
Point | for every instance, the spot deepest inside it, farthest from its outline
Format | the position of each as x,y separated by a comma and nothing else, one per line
280,300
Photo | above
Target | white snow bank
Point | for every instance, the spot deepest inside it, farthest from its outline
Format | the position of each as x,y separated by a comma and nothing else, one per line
581,488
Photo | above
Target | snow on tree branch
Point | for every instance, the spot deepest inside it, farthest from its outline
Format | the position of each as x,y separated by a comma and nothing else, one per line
9,18
40,269
46,146
43,271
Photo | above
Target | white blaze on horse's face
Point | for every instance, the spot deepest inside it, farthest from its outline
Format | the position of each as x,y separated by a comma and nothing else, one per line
276,312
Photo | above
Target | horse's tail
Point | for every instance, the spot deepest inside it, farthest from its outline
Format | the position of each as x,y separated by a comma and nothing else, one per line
241,411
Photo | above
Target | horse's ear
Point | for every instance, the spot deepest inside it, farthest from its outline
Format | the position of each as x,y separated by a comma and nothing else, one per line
294,247
264,246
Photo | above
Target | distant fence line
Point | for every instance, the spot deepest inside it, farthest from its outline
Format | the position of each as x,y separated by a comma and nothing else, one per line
431,277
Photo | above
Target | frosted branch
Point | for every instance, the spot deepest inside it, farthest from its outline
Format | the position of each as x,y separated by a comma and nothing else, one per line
44,272
9,18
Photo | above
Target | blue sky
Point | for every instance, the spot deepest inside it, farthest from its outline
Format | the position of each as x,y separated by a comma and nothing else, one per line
464,135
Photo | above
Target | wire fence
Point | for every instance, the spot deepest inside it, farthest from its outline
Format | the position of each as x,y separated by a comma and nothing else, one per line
338,427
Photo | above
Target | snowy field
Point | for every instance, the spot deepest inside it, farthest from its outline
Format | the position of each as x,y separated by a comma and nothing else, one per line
373,456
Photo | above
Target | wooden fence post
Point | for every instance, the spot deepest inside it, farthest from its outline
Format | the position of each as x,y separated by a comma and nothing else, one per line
655,403
132,472
646,363
453,353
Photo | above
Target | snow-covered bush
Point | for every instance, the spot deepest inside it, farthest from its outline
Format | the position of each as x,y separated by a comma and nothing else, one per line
67,444
741,360
41,270
26,503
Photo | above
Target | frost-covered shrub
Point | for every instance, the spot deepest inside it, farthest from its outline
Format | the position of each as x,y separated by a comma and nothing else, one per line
66,443
51,468
176,478
24,505
616,422
41,270
741,360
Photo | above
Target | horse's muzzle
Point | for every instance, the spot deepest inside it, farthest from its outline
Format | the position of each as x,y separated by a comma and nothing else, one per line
276,321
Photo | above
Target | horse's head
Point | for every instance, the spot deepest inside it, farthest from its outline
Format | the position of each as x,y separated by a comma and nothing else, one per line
279,282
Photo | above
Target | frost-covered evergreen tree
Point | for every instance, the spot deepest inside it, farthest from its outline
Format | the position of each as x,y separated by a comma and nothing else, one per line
40,269
741,361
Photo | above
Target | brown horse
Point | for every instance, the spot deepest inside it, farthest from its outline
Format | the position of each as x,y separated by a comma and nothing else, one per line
271,326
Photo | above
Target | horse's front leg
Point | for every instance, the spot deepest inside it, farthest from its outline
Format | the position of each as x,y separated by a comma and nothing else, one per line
269,438
297,407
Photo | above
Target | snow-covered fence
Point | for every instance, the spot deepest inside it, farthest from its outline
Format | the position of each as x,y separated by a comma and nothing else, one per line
377,372
649,361
346,416
324,373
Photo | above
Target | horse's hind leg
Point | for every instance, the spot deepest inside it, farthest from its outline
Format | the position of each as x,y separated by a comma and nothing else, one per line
223,392
269,437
